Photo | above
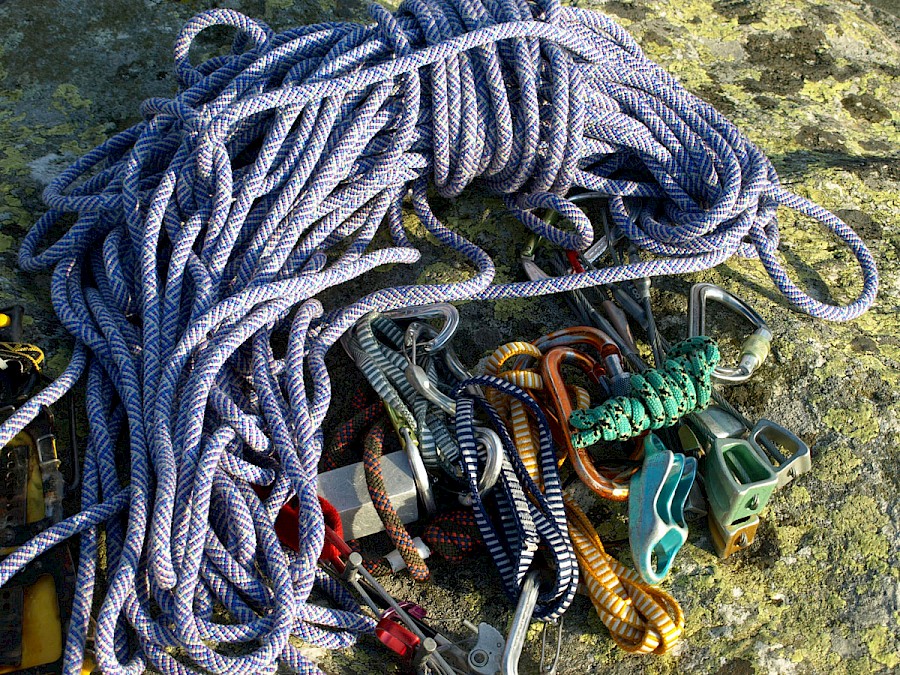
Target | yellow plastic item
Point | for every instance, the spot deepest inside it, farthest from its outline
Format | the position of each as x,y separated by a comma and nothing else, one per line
88,666
4,321
41,624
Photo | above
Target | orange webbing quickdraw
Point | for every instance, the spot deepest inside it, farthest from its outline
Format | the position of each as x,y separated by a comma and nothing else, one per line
641,618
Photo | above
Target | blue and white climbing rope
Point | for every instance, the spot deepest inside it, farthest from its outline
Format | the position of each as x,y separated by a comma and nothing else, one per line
218,219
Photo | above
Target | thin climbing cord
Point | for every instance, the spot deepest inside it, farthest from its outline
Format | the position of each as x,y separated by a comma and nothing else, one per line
209,227
396,530
659,398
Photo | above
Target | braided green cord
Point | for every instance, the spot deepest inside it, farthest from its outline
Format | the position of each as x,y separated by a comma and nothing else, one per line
659,397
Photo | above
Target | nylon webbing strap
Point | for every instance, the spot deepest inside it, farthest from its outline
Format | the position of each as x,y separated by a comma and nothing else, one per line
529,517
641,618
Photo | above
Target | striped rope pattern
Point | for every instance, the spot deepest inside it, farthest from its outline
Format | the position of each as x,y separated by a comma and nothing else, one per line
219,217
641,618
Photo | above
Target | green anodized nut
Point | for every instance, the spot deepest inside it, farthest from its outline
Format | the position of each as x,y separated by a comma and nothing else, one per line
738,480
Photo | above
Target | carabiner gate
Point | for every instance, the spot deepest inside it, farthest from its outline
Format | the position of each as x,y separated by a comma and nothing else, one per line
755,348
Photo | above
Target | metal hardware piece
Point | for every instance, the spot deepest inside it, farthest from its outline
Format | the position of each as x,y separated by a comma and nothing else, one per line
729,539
484,657
521,620
416,465
656,502
437,310
424,654
418,378
714,423
755,348
769,438
493,449
491,452
549,667
607,482
738,481
345,488
396,561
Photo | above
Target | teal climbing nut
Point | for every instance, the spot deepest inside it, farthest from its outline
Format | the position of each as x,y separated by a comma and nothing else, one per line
656,502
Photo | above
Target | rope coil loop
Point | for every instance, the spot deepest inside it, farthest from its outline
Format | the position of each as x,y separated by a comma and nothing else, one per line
215,222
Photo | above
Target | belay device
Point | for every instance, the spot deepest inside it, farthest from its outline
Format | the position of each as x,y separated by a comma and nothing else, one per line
33,605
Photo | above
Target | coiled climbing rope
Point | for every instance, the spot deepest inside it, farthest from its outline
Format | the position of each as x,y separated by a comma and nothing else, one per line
215,222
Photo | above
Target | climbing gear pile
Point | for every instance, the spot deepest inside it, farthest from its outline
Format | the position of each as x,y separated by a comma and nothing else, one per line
198,243
35,601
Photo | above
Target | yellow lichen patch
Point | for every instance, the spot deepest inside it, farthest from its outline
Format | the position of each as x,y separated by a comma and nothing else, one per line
442,273
838,465
859,422
780,15
67,97
878,640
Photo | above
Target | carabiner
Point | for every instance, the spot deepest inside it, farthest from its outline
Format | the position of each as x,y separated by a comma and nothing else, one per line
521,620
594,337
656,502
612,485
489,442
416,465
755,348
436,310
493,450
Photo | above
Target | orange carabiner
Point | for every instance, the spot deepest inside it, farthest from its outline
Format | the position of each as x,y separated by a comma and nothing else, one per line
608,484
610,362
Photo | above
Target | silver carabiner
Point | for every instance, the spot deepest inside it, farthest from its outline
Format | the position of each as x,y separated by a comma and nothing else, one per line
521,620
436,310
493,448
755,348
419,472
490,442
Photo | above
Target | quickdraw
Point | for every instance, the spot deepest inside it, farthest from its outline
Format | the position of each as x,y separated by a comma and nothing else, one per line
641,619
531,517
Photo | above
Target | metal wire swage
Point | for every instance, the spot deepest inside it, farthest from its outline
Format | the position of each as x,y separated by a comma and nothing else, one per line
219,217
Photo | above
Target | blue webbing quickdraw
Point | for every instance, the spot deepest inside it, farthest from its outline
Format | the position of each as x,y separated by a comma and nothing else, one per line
529,517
